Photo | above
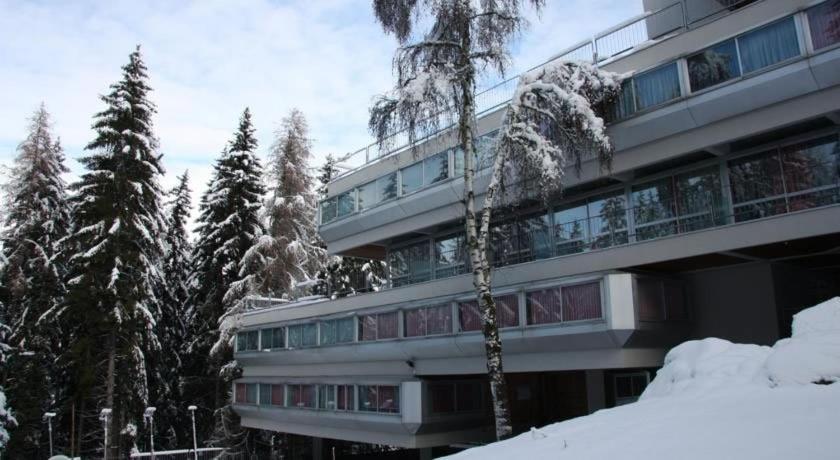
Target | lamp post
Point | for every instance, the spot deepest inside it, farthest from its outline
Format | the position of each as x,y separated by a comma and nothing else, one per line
104,416
48,416
149,416
195,442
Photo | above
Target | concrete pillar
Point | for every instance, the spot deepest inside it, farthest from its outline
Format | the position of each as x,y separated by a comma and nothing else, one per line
426,453
317,448
596,397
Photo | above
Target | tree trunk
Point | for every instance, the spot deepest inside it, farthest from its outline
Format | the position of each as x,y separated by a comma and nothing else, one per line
477,244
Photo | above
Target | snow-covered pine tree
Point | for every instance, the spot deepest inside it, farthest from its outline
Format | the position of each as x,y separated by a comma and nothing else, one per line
113,275
7,419
438,74
37,218
228,225
171,421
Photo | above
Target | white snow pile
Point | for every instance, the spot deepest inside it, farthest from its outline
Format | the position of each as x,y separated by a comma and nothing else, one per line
714,399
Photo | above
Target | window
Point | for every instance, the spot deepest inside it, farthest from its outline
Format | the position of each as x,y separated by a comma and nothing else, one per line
377,327
337,331
326,397
450,256
300,396
485,150
699,199
577,302
428,321
756,186
386,187
507,313
824,20
273,339
379,398
458,157
520,240
535,238
624,105
656,86
346,203
303,335
436,168
367,195
714,65
607,220
412,178
628,387
265,394
345,397
768,45
812,173
245,393
411,264
248,341
571,228
328,210
654,209
278,395
455,397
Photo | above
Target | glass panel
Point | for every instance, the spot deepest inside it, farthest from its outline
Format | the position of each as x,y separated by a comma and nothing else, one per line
624,106
241,342
277,395
824,20
812,173
507,310
443,397
657,86
328,210
420,262
654,209
303,335
278,338
251,393
415,322
265,395
345,397
649,296
240,393
295,336
504,244
714,65
485,149
389,399
367,195
459,162
301,396
326,397
768,45
571,229
439,319
699,201
582,301
367,327
367,398
253,340
328,333
346,203
544,306
412,178
467,397
386,187
756,186
535,239
468,316
398,264
608,221
436,168
450,256
386,325
310,335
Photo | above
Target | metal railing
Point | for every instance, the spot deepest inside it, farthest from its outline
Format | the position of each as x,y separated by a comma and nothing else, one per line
204,453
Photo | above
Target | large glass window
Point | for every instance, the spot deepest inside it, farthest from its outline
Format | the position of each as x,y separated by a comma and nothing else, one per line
278,395
428,321
507,313
571,228
367,195
346,203
485,150
273,339
379,398
345,397
756,186
624,105
656,86
436,168
303,335
544,306
245,393
812,173
326,397
336,397
412,178
265,394
607,220
300,396
411,264
248,341
378,326
714,65
768,45
654,209
561,304
328,210
824,20
699,199
535,238
337,331
450,256
386,187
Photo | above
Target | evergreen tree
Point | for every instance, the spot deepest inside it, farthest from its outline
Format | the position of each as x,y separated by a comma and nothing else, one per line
114,276
171,419
7,419
30,282
228,225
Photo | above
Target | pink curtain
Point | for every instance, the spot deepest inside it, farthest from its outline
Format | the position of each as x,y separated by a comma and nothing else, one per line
469,316
582,301
386,325
367,327
439,319
388,399
277,395
415,322
544,306
240,395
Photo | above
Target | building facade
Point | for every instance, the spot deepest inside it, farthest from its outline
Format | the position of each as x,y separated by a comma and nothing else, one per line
718,217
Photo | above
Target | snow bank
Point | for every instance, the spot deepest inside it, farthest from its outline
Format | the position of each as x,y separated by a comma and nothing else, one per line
713,399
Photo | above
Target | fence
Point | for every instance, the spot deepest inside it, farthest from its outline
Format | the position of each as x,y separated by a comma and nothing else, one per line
204,453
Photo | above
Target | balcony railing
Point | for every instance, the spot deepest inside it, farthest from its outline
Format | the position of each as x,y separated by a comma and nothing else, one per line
619,40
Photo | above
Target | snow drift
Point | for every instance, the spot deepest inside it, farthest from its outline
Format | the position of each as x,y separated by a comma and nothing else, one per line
714,399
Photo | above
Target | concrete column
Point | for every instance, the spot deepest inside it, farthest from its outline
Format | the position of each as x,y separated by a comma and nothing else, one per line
596,397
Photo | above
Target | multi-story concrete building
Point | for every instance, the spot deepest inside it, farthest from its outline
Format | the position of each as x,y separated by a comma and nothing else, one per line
719,217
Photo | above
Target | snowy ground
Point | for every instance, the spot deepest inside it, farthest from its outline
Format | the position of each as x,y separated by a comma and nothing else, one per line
714,400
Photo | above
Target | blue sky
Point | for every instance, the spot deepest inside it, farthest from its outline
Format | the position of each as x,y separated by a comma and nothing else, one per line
209,59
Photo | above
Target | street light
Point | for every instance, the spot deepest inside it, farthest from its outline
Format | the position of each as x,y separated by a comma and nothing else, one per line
104,415
195,443
149,416
48,418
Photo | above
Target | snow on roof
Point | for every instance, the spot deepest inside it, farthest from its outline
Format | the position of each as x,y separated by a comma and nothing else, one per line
713,399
